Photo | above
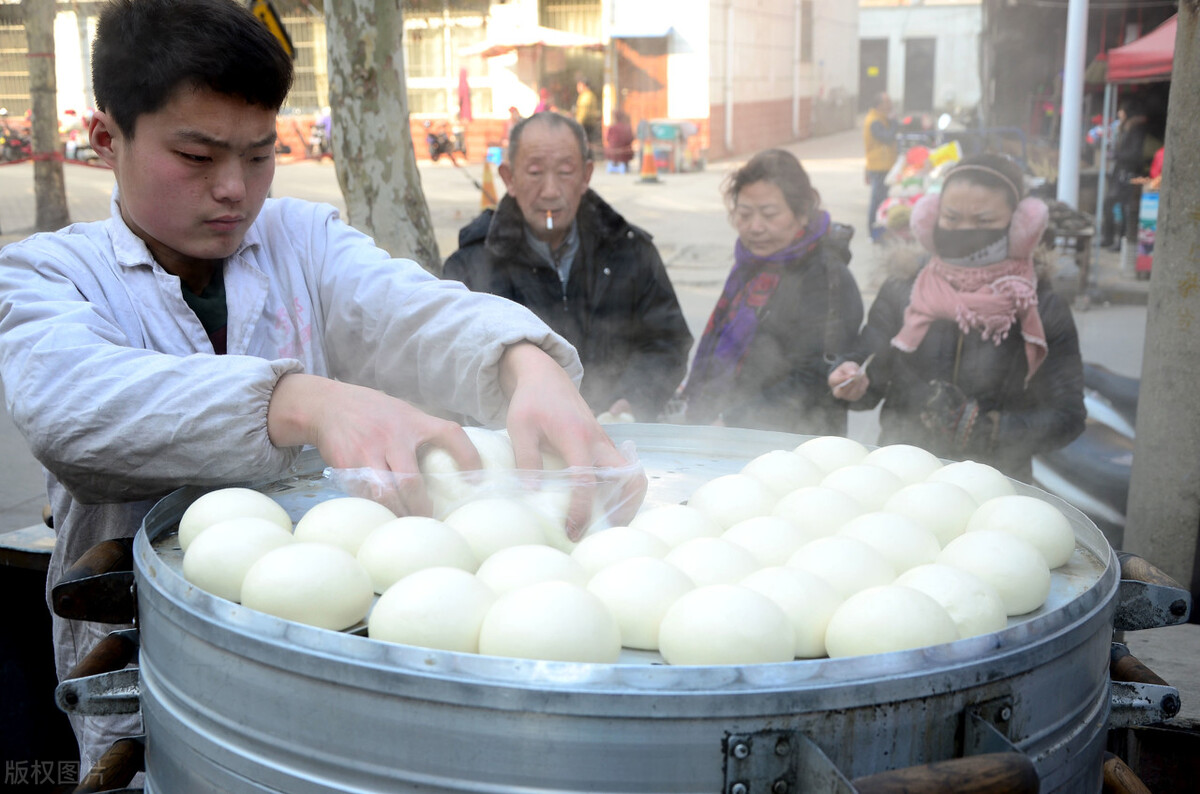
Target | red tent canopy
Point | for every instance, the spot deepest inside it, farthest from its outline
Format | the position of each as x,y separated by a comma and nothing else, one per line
1146,60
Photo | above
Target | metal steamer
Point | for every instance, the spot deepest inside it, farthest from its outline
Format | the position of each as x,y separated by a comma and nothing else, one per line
236,700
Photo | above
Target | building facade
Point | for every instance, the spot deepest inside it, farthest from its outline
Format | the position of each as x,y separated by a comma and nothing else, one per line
925,55
741,74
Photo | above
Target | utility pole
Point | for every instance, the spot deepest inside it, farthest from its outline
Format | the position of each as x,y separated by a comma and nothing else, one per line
50,192
1071,130
1164,494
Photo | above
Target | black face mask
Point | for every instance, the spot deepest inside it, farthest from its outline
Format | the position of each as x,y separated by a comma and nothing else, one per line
962,243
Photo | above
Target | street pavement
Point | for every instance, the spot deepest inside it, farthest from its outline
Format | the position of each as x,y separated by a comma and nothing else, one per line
686,216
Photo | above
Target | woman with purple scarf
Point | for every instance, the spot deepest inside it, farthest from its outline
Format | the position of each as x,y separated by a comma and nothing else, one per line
789,308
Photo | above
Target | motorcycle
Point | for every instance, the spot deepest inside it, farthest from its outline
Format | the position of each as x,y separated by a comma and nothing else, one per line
444,141
1093,471
14,146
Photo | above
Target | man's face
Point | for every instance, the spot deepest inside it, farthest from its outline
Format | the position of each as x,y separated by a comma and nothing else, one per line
194,176
885,104
549,176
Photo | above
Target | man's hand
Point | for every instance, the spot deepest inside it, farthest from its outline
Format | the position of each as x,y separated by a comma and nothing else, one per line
356,427
545,409
849,381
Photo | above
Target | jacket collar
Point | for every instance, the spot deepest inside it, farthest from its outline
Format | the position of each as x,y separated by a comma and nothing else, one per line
505,235
131,250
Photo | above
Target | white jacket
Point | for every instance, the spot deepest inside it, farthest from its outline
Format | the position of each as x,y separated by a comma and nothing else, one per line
114,383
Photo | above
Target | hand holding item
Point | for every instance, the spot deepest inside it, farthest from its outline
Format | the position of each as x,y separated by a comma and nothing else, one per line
546,410
357,427
849,380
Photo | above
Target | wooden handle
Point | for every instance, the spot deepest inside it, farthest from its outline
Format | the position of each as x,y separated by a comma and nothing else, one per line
1141,570
85,592
1120,779
1124,666
105,557
111,653
115,768
993,773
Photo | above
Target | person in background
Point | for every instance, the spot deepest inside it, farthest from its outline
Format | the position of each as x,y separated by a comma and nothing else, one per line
788,307
204,334
587,111
1135,148
879,141
976,357
514,118
555,246
1154,181
618,143
544,100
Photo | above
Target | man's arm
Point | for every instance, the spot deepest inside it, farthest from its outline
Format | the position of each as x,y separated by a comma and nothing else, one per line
884,132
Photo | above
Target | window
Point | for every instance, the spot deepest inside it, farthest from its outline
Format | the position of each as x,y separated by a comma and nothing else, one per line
431,61
310,81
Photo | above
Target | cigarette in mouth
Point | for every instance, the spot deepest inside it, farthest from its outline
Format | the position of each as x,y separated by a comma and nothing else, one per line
549,221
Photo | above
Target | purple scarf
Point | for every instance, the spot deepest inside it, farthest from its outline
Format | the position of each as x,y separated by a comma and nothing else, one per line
734,321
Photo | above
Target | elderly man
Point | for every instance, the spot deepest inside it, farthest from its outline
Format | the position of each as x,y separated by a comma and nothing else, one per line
556,247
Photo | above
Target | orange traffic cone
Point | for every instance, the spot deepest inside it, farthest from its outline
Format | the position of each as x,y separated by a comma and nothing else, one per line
487,198
649,166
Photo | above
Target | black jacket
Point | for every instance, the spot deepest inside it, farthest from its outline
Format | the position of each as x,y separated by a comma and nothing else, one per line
1043,416
812,316
619,309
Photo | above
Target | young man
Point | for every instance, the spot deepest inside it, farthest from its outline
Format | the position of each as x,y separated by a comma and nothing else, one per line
203,334
556,247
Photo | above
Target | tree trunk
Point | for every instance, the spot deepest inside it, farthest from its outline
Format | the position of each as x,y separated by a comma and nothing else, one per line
372,147
1164,493
49,190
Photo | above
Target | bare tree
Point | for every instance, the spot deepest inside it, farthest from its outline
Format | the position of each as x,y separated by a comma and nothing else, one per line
1164,492
372,146
49,190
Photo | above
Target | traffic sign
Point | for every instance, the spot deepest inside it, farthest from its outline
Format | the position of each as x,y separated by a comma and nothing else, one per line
266,12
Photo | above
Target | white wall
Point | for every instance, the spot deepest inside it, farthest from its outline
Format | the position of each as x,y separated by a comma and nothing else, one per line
835,47
70,70
957,30
688,61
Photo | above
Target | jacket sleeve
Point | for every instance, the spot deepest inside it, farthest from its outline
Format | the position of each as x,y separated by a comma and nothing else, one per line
110,419
1059,415
884,321
660,342
393,326
884,132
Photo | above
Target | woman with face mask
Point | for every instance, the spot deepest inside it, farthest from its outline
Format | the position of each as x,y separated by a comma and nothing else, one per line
976,357
789,306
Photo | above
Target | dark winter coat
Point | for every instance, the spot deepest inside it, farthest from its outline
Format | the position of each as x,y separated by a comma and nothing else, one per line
619,309
1044,415
813,315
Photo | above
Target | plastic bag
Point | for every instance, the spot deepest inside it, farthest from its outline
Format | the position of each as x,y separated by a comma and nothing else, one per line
570,501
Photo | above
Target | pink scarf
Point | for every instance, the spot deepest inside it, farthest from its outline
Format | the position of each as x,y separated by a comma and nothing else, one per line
986,298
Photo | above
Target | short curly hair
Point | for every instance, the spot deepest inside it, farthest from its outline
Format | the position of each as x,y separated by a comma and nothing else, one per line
780,168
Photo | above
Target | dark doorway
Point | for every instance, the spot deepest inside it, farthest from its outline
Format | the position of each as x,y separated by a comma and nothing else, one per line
919,59
872,71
